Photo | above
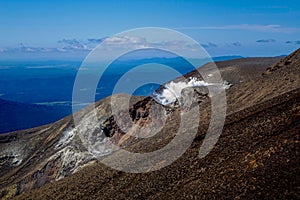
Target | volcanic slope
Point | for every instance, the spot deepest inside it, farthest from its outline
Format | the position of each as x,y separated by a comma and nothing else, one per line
256,156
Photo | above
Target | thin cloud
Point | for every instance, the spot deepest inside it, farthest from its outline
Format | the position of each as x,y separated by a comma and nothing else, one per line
109,43
236,44
209,45
24,48
29,49
275,7
121,40
96,40
213,45
73,44
293,42
266,41
246,27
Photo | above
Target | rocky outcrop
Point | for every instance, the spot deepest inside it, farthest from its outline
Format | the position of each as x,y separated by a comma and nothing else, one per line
34,157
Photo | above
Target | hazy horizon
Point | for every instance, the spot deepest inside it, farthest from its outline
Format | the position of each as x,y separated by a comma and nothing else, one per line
68,30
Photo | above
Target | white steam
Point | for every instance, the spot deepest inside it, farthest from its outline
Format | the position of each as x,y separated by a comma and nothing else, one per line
172,91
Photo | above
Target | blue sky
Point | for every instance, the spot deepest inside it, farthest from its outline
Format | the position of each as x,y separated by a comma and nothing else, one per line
62,28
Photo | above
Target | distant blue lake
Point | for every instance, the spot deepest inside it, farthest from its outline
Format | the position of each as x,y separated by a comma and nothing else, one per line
52,81
48,85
